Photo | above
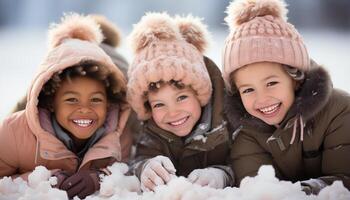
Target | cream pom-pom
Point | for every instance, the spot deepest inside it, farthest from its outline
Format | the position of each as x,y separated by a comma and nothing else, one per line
110,31
153,27
241,11
194,31
74,26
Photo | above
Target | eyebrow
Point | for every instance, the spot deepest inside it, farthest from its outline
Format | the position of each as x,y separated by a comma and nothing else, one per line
267,78
77,93
244,85
272,76
154,101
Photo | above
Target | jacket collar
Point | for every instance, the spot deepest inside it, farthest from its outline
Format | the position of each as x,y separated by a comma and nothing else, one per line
311,97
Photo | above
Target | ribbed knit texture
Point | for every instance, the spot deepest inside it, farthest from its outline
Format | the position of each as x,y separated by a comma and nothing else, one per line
163,60
173,58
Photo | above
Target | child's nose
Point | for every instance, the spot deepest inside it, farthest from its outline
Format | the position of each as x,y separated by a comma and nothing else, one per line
261,98
173,112
84,109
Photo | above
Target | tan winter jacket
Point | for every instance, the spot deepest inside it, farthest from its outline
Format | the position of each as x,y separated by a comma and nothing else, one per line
25,143
319,154
212,150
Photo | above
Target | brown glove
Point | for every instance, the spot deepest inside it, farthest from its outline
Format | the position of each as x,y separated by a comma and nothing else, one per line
61,175
82,183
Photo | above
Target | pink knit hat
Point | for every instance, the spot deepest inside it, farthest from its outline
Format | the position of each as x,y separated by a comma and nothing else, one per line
259,32
167,49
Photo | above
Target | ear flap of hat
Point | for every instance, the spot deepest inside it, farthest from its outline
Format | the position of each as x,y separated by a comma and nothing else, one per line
74,26
194,31
153,27
241,11
110,31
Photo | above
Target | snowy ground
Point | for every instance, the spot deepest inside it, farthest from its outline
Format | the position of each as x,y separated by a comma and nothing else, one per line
118,186
22,51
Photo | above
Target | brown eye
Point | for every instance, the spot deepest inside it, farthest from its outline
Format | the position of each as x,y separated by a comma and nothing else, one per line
271,83
247,90
157,105
71,100
96,100
182,97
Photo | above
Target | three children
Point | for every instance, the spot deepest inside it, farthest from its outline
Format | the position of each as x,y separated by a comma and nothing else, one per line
281,106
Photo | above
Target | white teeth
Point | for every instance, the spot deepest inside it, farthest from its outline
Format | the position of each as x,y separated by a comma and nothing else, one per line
82,122
269,110
181,121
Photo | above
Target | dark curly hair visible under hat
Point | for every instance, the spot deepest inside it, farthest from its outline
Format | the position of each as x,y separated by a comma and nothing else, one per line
89,69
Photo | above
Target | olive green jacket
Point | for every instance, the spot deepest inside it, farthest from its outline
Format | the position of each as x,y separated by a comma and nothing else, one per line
319,154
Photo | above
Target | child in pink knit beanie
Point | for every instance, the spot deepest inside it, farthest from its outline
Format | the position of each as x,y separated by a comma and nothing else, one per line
282,105
178,93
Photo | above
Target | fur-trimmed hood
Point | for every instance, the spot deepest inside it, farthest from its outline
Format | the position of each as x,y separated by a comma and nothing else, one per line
309,100
27,137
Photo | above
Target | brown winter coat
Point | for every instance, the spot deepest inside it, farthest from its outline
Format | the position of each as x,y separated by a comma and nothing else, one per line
195,154
322,156
25,143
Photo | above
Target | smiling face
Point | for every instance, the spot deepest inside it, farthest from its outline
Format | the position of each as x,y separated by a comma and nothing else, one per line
80,106
175,110
266,90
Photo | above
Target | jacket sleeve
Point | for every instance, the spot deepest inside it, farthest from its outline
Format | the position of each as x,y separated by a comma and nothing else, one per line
148,146
336,146
130,136
126,142
8,150
247,156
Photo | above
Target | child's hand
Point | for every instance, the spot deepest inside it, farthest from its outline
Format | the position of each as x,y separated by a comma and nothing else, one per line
82,183
156,171
212,177
61,175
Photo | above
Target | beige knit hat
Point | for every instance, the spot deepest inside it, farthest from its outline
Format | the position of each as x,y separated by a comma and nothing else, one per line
259,32
167,49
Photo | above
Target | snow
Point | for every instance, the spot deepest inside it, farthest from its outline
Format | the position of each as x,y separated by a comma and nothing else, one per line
265,186
200,137
38,187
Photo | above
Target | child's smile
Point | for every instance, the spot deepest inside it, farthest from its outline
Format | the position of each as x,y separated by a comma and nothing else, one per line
179,122
83,122
270,111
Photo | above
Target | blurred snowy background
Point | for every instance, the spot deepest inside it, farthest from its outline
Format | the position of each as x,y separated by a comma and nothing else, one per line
324,24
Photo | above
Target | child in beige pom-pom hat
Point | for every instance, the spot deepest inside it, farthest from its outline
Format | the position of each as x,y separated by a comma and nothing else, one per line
75,114
178,93
281,105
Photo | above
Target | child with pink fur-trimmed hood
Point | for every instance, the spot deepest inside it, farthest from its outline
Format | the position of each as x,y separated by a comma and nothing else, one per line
75,113
178,93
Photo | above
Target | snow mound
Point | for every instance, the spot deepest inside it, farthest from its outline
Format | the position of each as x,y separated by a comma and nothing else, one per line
265,186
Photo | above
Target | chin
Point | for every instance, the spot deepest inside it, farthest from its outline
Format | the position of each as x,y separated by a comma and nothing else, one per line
182,133
272,122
